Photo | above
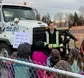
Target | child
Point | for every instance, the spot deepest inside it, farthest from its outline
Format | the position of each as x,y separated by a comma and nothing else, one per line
39,57
82,49
51,61
23,54
13,55
75,61
62,65
53,58
10,65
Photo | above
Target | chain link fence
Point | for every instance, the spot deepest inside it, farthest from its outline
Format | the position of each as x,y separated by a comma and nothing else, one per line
11,68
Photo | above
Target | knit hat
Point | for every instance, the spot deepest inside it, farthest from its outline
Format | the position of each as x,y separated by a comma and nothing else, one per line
24,49
39,45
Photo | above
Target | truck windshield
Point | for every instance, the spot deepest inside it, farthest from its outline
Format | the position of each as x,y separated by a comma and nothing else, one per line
21,12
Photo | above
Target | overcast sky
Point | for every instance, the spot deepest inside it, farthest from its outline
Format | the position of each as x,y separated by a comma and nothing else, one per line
54,6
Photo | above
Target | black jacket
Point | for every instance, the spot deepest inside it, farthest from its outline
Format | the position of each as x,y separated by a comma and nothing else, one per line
52,37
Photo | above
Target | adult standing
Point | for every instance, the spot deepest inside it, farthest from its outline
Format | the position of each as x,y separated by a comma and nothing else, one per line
52,37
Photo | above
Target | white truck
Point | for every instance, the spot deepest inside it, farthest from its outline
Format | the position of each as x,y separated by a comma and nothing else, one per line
16,18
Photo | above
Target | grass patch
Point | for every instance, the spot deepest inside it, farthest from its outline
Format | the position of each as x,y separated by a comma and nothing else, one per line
77,42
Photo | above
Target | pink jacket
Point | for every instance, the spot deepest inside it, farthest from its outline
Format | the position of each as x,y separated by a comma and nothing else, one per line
45,75
39,58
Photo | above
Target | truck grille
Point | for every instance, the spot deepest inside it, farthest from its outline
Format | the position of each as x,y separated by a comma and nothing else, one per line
38,34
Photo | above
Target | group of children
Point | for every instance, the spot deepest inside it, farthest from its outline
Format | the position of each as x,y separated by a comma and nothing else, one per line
41,57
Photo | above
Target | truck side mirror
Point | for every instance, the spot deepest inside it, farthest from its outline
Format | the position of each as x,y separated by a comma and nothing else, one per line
12,23
16,20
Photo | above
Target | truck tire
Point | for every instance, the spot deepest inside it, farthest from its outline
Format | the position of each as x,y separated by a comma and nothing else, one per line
5,50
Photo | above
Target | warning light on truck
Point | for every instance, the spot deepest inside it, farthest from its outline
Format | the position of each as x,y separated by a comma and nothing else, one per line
25,3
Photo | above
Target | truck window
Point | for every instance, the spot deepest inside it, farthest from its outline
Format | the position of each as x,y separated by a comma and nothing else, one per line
23,13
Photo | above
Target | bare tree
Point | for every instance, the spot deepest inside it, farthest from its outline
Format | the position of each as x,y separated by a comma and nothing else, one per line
37,14
46,18
67,19
38,17
81,11
59,17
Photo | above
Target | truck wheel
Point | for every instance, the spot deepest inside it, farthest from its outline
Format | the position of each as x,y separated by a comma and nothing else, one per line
5,50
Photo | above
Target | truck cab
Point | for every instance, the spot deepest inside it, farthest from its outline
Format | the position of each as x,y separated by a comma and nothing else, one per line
17,18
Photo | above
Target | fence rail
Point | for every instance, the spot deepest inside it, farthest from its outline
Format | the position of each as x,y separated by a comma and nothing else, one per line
43,67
